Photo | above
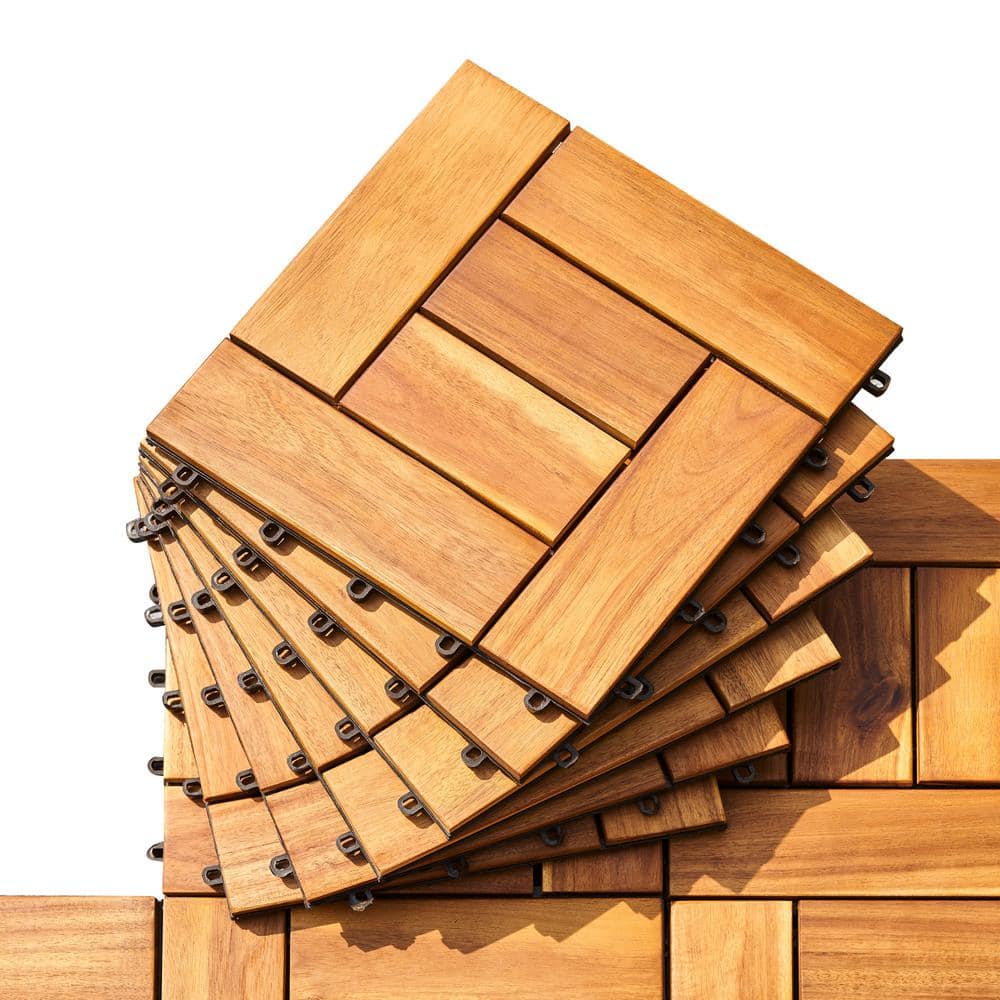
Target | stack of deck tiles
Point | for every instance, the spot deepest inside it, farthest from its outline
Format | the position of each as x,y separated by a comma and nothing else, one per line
490,533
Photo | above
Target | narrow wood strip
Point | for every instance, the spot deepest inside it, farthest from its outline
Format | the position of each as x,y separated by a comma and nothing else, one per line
188,848
624,869
179,762
690,806
509,882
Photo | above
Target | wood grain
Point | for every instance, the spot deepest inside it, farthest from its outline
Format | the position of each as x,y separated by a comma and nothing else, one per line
845,842
428,196
77,947
208,955
561,330
958,674
339,486
772,770
510,882
626,568
853,726
904,949
480,949
724,950
188,848
692,805
704,274
637,869
485,428
179,762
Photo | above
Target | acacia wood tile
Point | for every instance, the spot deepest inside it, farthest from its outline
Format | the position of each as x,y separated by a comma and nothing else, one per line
188,848
689,806
179,762
636,869
509,882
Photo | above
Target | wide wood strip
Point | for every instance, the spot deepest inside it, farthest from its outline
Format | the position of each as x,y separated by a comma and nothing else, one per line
903,949
627,567
342,488
931,512
625,869
428,196
561,330
485,428
77,947
692,805
722,950
845,842
179,762
207,954
188,848
482,949
853,726
701,272
958,675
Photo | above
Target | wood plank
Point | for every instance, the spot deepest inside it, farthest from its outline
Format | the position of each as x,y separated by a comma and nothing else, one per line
845,842
787,654
626,568
904,949
771,770
958,674
829,549
340,487
931,512
692,805
479,949
721,950
853,443
208,955
561,330
188,848
578,836
179,762
624,869
510,882
77,947
853,726
704,274
429,195
485,428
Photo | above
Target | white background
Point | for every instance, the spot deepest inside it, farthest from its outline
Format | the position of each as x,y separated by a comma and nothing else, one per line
160,163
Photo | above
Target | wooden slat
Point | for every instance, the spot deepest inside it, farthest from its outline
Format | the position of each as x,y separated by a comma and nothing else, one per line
179,762
208,954
347,491
511,882
903,949
703,273
479,949
958,674
854,443
853,726
626,568
723,950
77,947
188,848
624,869
485,428
930,512
565,332
692,805
830,549
769,771
845,842
381,250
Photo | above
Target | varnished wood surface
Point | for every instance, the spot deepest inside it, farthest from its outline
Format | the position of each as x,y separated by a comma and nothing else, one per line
906,950
564,331
341,487
77,947
208,955
179,762
958,675
485,428
722,950
704,274
637,869
393,236
537,948
691,805
626,568
188,848
509,882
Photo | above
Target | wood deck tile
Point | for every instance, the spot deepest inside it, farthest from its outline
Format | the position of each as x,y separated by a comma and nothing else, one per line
637,869
188,848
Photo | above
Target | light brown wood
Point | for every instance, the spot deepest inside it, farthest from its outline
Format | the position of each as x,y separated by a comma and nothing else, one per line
903,949
771,770
853,726
787,654
854,443
485,428
209,956
845,842
958,674
428,196
179,762
692,805
830,549
245,841
578,340
510,882
77,947
704,274
628,565
578,836
345,490
623,869
188,848
727,950
931,511
479,949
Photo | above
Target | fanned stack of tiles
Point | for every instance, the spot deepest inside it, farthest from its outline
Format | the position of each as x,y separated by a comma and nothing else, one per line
489,535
